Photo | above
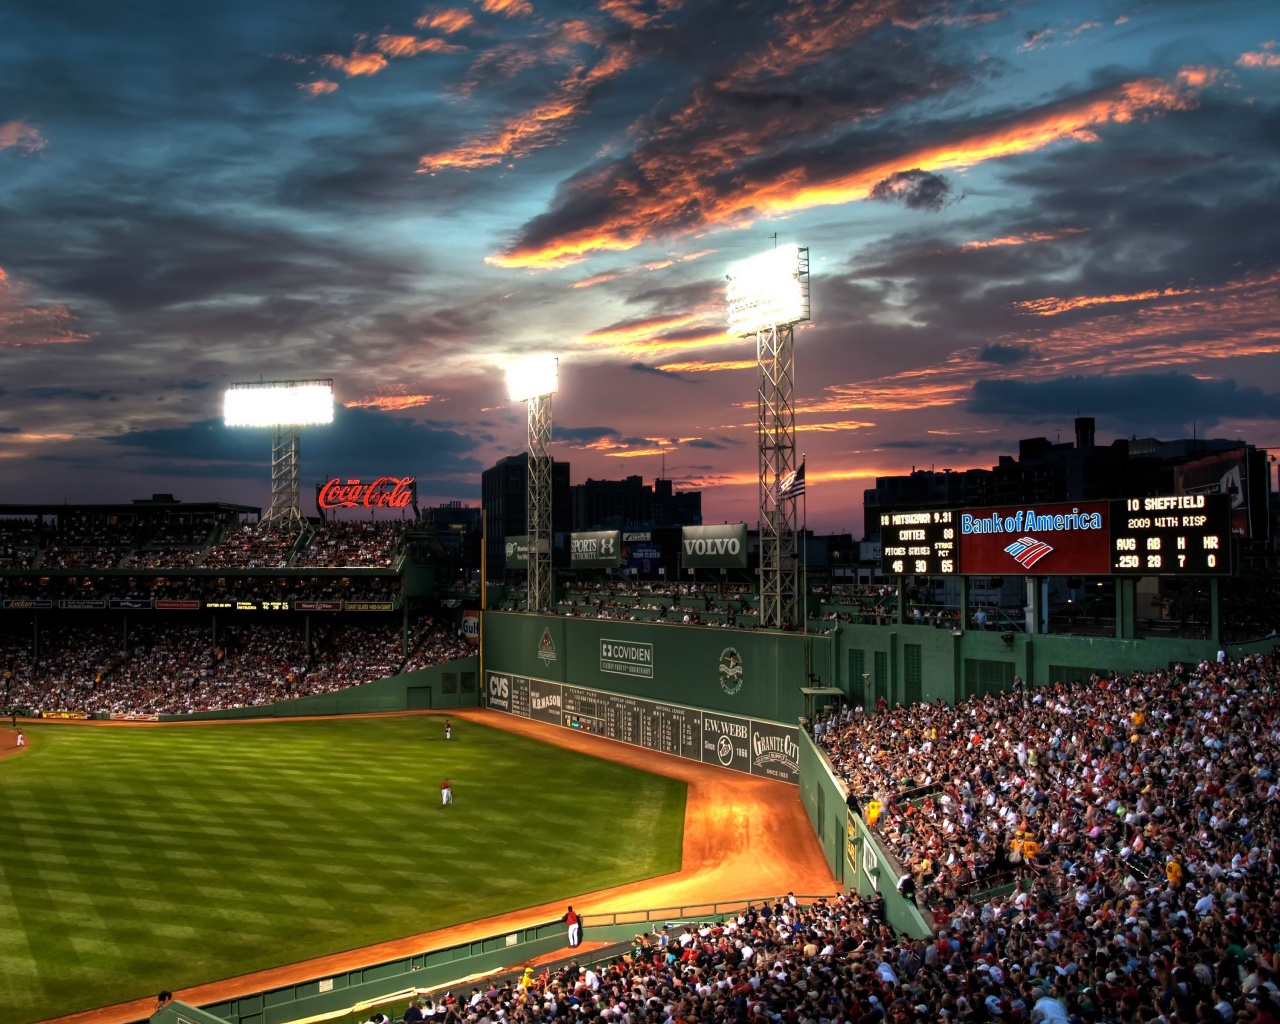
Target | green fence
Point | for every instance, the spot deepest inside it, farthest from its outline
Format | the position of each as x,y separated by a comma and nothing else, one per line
344,991
856,857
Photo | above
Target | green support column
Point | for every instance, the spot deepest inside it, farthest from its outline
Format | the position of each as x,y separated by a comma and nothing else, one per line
964,602
1126,608
902,600
1215,613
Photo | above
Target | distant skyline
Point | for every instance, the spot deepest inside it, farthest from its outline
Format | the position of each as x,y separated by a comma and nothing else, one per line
1018,211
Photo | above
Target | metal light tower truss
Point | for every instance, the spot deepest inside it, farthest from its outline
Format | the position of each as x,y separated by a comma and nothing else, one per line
768,295
538,505
776,440
284,510
285,406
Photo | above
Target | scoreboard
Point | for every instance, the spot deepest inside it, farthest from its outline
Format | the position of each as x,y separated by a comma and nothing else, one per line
918,543
1177,535
1166,535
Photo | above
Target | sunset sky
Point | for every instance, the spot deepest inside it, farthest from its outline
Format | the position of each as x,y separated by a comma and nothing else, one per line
1018,211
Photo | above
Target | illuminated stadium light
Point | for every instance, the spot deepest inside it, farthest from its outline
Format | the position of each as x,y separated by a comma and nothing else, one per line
532,377
284,406
768,290
278,403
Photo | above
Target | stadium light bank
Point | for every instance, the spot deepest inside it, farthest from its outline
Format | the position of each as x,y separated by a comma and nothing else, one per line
286,406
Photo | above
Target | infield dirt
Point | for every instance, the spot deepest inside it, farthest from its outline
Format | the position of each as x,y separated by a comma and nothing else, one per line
743,837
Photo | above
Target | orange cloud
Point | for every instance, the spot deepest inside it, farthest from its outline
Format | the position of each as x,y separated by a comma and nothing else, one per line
535,128
639,330
643,208
1027,239
356,64
1173,327
25,323
1198,77
318,88
1052,306
448,21
697,366
1259,59
835,427
411,46
390,403
19,135
511,8
595,279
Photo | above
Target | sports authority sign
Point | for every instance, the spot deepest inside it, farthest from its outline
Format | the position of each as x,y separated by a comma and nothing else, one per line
624,658
749,745
714,547
600,549
1041,540
382,492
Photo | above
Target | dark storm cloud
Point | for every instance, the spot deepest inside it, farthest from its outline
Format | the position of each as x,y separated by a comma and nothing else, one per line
578,436
49,393
1004,355
702,442
358,441
659,372
915,189
1170,399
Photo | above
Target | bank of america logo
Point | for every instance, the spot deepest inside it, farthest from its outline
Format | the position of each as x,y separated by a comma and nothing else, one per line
1026,551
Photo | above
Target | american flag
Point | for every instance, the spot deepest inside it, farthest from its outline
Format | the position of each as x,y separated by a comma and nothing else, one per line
791,485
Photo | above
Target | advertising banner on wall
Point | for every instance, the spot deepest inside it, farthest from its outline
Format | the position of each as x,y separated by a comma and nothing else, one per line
714,547
380,492
516,551
749,745
471,625
86,603
1053,539
1240,474
599,549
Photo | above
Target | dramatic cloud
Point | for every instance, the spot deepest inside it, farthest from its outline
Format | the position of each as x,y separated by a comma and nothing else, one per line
26,322
20,136
651,194
915,189
1161,399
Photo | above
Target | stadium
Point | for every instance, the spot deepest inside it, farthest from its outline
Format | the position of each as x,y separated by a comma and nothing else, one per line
765,797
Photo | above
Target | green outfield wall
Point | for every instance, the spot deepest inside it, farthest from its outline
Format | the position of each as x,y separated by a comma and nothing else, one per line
454,684
687,664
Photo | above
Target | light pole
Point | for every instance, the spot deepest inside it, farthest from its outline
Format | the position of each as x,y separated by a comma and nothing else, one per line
767,296
534,380
285,406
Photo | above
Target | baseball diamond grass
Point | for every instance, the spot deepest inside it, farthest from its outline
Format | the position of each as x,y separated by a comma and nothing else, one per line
133,860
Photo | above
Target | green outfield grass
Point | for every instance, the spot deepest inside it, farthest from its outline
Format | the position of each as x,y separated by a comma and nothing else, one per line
133,860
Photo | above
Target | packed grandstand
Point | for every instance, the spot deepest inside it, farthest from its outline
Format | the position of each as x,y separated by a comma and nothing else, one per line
1141,816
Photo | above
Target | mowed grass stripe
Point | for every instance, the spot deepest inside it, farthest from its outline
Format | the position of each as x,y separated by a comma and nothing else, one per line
141,859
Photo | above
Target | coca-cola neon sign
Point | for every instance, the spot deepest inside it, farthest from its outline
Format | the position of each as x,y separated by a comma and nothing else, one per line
384,492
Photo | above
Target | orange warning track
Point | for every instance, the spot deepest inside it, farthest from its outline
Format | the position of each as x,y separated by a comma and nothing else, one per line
743,836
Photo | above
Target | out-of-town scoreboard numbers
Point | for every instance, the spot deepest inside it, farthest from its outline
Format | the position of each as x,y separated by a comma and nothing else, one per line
918,543
1177,535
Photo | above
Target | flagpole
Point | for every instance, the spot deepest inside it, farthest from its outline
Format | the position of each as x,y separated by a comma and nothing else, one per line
804,534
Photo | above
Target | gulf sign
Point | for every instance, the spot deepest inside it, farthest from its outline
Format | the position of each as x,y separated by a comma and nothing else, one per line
1056,539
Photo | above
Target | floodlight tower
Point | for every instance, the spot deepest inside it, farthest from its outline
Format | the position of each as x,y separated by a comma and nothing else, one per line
767,296
285,405
534,380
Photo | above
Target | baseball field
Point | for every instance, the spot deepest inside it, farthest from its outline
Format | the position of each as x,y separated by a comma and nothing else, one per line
140,859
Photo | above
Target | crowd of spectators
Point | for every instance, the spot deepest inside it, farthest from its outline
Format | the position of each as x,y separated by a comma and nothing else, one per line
343,543
836,961
176,667
88,544
1138,818
19,539
252,546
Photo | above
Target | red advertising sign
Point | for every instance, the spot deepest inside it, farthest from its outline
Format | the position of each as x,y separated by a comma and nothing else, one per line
171,605
1057,539
384,492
